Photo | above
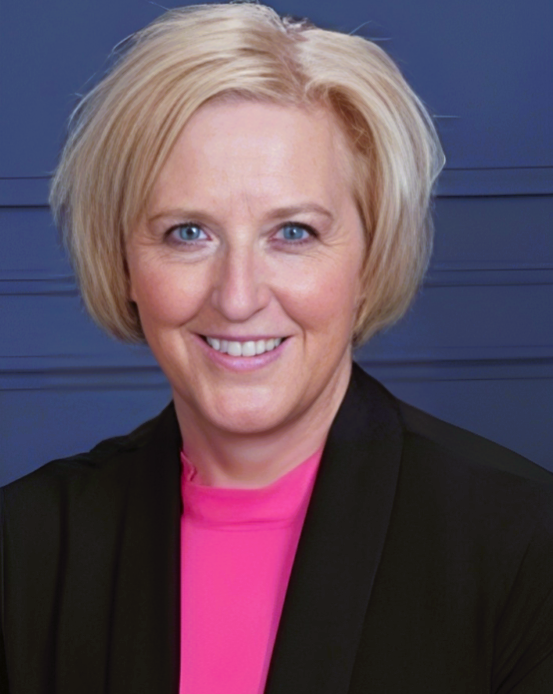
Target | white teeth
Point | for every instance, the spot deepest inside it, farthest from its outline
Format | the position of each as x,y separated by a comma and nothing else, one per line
234,349
243,349
260,346
248,349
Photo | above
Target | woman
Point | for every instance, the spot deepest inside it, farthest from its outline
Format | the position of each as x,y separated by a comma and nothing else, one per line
250,195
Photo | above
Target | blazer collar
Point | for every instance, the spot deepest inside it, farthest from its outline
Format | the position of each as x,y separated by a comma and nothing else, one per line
333,573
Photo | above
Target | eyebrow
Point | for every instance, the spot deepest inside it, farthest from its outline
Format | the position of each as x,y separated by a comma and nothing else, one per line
278,213
282,212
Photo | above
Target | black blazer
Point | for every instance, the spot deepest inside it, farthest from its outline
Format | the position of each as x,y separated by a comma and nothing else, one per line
425,565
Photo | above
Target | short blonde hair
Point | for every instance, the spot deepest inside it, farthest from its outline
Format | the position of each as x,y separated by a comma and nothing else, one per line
122,132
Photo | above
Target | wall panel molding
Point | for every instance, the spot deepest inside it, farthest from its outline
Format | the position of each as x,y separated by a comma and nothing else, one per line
63,285
538,180
439,275
24,192
64,374
486,274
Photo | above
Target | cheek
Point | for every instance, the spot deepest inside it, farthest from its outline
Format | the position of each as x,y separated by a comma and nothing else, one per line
326,301
165,295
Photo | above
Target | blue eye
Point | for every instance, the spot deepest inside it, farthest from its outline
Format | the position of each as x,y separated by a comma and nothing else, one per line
189,232
295,232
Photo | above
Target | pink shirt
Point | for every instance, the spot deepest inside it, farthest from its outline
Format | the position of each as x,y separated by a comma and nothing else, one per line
237,549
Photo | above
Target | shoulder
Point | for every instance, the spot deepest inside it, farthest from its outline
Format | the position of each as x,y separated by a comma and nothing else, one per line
464,475
428,437
452,476
431,436
103,466
471,472
76,508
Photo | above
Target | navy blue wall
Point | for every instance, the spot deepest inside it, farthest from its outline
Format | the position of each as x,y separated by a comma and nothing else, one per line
477,347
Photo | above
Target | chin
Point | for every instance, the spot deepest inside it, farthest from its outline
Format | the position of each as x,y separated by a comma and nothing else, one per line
248,420
246,412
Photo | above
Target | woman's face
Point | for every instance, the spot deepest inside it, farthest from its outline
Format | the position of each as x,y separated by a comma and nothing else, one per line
245,268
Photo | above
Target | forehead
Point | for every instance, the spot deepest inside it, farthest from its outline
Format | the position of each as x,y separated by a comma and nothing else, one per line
245,149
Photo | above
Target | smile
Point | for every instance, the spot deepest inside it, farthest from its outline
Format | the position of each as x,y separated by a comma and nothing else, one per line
249,348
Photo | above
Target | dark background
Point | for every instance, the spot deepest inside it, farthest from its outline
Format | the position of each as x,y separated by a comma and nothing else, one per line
477,347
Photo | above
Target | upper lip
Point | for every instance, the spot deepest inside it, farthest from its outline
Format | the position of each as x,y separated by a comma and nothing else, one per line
244,338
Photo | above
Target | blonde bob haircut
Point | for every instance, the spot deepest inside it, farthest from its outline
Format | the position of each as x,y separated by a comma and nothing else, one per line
121,133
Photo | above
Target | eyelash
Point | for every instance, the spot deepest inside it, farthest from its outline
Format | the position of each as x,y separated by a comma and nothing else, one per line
311,233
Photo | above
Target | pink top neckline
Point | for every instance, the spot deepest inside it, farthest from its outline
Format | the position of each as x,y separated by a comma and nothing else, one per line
275,504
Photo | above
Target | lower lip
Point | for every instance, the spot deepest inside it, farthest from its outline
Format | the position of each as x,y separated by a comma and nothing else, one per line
242,363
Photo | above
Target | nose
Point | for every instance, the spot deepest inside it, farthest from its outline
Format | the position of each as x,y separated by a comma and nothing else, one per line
240,289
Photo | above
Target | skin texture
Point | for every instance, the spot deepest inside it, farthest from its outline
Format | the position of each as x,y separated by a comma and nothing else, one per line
217,255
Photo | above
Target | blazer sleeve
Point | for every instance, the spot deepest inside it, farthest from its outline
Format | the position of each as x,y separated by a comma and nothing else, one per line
539,678
538,681
3,668
524,639
3,672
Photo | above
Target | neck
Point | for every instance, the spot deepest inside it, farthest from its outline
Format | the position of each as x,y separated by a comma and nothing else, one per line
252,460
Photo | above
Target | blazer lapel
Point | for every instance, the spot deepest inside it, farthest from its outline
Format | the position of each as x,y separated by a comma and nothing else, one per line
340,546
145,641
